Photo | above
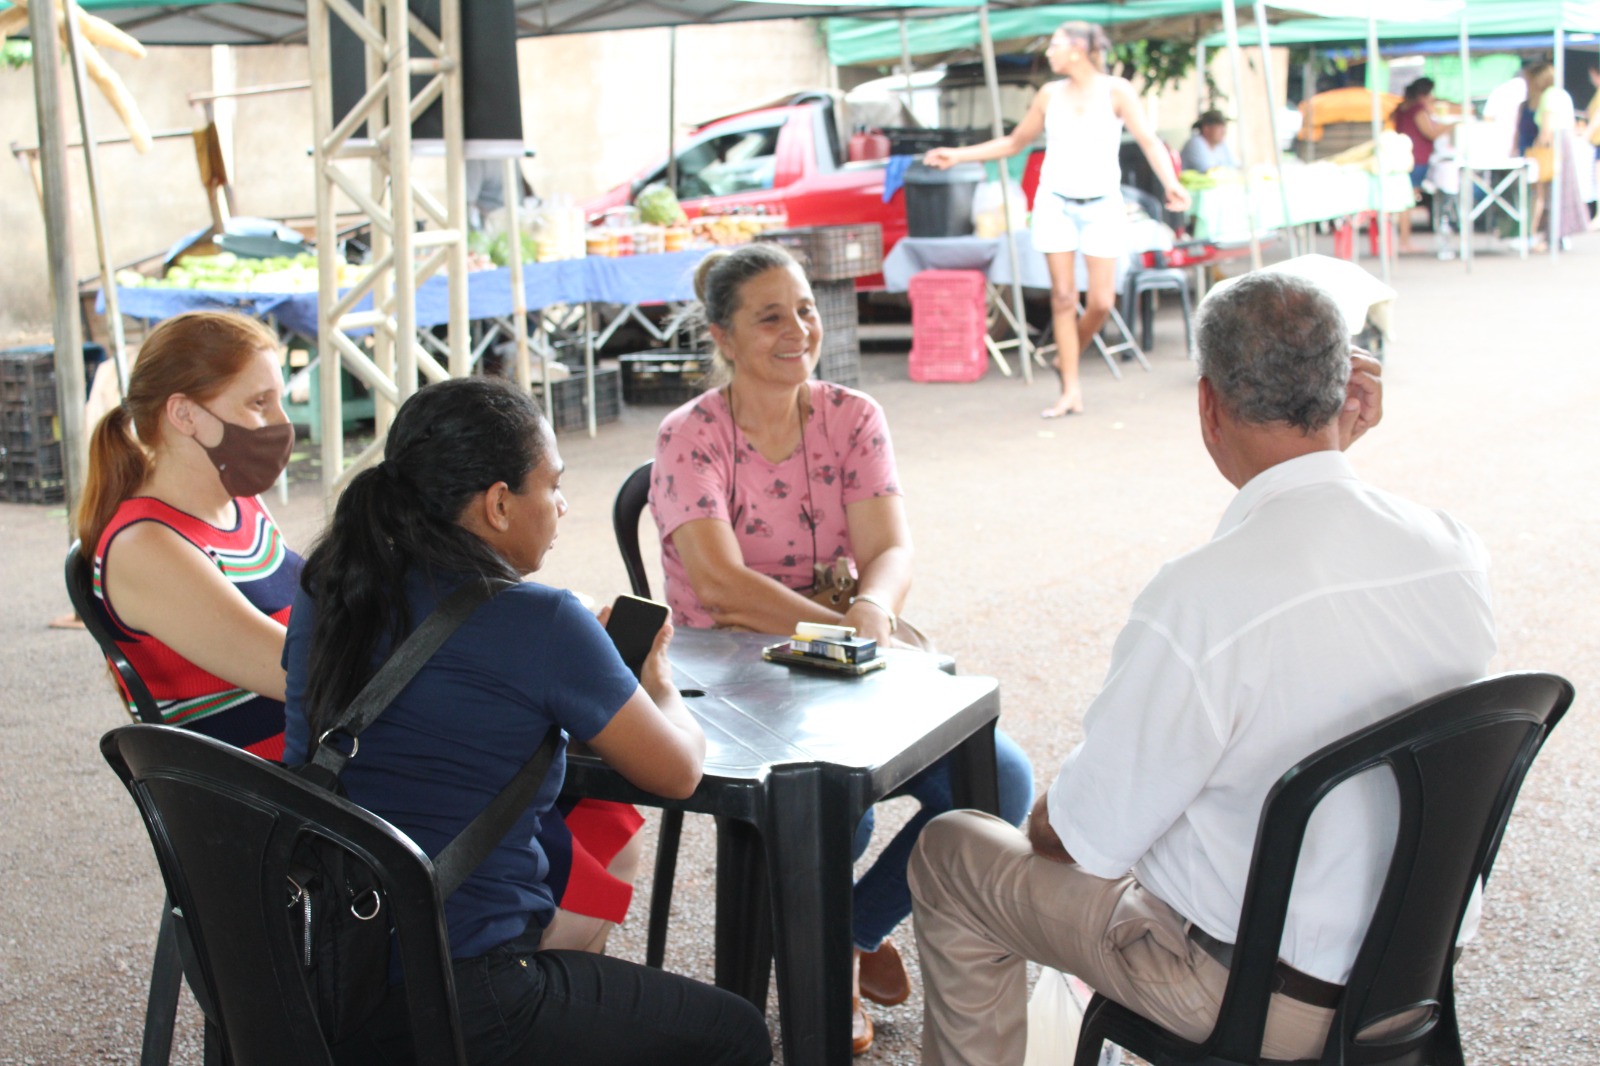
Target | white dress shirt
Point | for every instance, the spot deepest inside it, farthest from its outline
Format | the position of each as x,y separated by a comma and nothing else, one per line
1320,606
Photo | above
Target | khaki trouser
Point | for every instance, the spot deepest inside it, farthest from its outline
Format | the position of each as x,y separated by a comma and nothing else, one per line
984,904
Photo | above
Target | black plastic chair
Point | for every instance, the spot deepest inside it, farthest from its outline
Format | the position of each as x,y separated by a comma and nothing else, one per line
631,501
1458,760
166,969
224,825
80,590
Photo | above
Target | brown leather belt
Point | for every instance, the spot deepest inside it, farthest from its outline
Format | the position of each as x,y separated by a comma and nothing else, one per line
1287,980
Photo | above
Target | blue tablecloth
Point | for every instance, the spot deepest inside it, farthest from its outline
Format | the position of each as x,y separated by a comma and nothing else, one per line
630,280
989,255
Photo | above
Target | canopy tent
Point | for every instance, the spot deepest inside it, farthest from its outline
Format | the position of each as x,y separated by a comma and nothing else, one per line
252,22
1485,18
1473,18
863,41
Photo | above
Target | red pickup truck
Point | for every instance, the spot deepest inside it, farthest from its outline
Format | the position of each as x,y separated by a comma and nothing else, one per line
787,159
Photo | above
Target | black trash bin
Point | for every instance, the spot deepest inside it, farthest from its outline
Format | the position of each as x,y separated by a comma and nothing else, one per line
939,202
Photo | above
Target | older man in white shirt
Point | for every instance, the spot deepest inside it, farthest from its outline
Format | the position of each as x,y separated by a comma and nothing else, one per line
1320,605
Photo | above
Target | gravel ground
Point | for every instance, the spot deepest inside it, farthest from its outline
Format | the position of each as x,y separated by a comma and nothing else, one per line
1033,538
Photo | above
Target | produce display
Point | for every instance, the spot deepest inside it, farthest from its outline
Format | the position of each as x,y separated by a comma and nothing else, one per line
658,205
226,272
495,249
735,229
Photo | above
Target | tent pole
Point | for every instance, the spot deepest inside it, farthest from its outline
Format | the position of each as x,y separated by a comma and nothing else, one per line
97,210
1272,123
1230,25
67,336
905,60
672,108
1384,251
1558,149
452,102
1024,349
519,295
1462,137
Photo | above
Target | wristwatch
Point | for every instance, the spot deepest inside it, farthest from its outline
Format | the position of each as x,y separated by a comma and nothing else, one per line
864,597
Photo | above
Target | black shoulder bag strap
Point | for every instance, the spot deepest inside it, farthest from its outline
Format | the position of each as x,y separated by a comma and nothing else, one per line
473,844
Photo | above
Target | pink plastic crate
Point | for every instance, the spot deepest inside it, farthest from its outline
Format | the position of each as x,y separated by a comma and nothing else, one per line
949,318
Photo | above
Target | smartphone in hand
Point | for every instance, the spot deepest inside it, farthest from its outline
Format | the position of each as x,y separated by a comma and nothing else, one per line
633,626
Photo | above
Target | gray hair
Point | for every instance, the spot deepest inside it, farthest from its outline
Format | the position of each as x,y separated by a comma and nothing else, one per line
719,283
1276,349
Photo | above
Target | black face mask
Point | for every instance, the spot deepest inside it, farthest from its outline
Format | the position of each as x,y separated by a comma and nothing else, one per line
250,460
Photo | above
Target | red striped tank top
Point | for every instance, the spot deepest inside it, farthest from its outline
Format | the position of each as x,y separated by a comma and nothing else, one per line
252,556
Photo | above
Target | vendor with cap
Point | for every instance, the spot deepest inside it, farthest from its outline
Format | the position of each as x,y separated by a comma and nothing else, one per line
1206,148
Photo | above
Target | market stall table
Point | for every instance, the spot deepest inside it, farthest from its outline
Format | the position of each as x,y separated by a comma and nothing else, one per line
1490,183
1315,192
911,255
628,282
794,759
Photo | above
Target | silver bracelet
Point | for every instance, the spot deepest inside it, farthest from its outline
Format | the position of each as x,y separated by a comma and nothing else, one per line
864,597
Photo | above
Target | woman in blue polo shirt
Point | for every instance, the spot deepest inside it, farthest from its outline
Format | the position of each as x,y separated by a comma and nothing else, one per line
469,490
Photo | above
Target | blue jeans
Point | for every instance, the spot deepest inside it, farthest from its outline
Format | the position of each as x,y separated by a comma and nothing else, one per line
882,897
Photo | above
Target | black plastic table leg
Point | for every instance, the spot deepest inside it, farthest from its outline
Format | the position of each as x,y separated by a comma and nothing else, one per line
166,979
808,835
744,913
655,941
974,781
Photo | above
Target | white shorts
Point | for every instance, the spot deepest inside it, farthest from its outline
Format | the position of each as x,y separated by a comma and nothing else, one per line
1097,228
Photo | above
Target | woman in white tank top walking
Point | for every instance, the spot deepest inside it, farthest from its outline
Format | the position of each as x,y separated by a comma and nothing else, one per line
1078,207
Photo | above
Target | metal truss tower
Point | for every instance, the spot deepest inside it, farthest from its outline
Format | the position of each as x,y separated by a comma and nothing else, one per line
414,236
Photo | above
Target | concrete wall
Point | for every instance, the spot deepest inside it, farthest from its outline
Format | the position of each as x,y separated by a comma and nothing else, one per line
594,107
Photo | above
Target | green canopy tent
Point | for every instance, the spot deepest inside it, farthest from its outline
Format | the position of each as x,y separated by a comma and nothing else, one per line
866,41
1474,17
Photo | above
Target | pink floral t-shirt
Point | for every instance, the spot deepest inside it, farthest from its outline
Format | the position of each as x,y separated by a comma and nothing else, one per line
701,472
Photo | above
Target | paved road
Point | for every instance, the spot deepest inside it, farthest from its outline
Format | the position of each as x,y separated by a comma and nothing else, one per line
1032,540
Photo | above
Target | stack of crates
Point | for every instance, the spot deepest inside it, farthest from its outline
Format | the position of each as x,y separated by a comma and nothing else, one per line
840,360
31,469
571,397
833,257
664,376
949,322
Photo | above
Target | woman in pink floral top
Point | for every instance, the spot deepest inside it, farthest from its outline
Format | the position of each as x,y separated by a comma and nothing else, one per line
708,468
759,481
774,472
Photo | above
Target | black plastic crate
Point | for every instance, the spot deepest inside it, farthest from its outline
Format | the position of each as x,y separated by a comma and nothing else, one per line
26,429
840,361
836,306
665,376
911,140
833,253
28,377
571,399
34,478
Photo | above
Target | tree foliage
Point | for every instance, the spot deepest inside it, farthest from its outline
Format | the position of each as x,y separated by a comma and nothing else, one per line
1157,64
16,54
